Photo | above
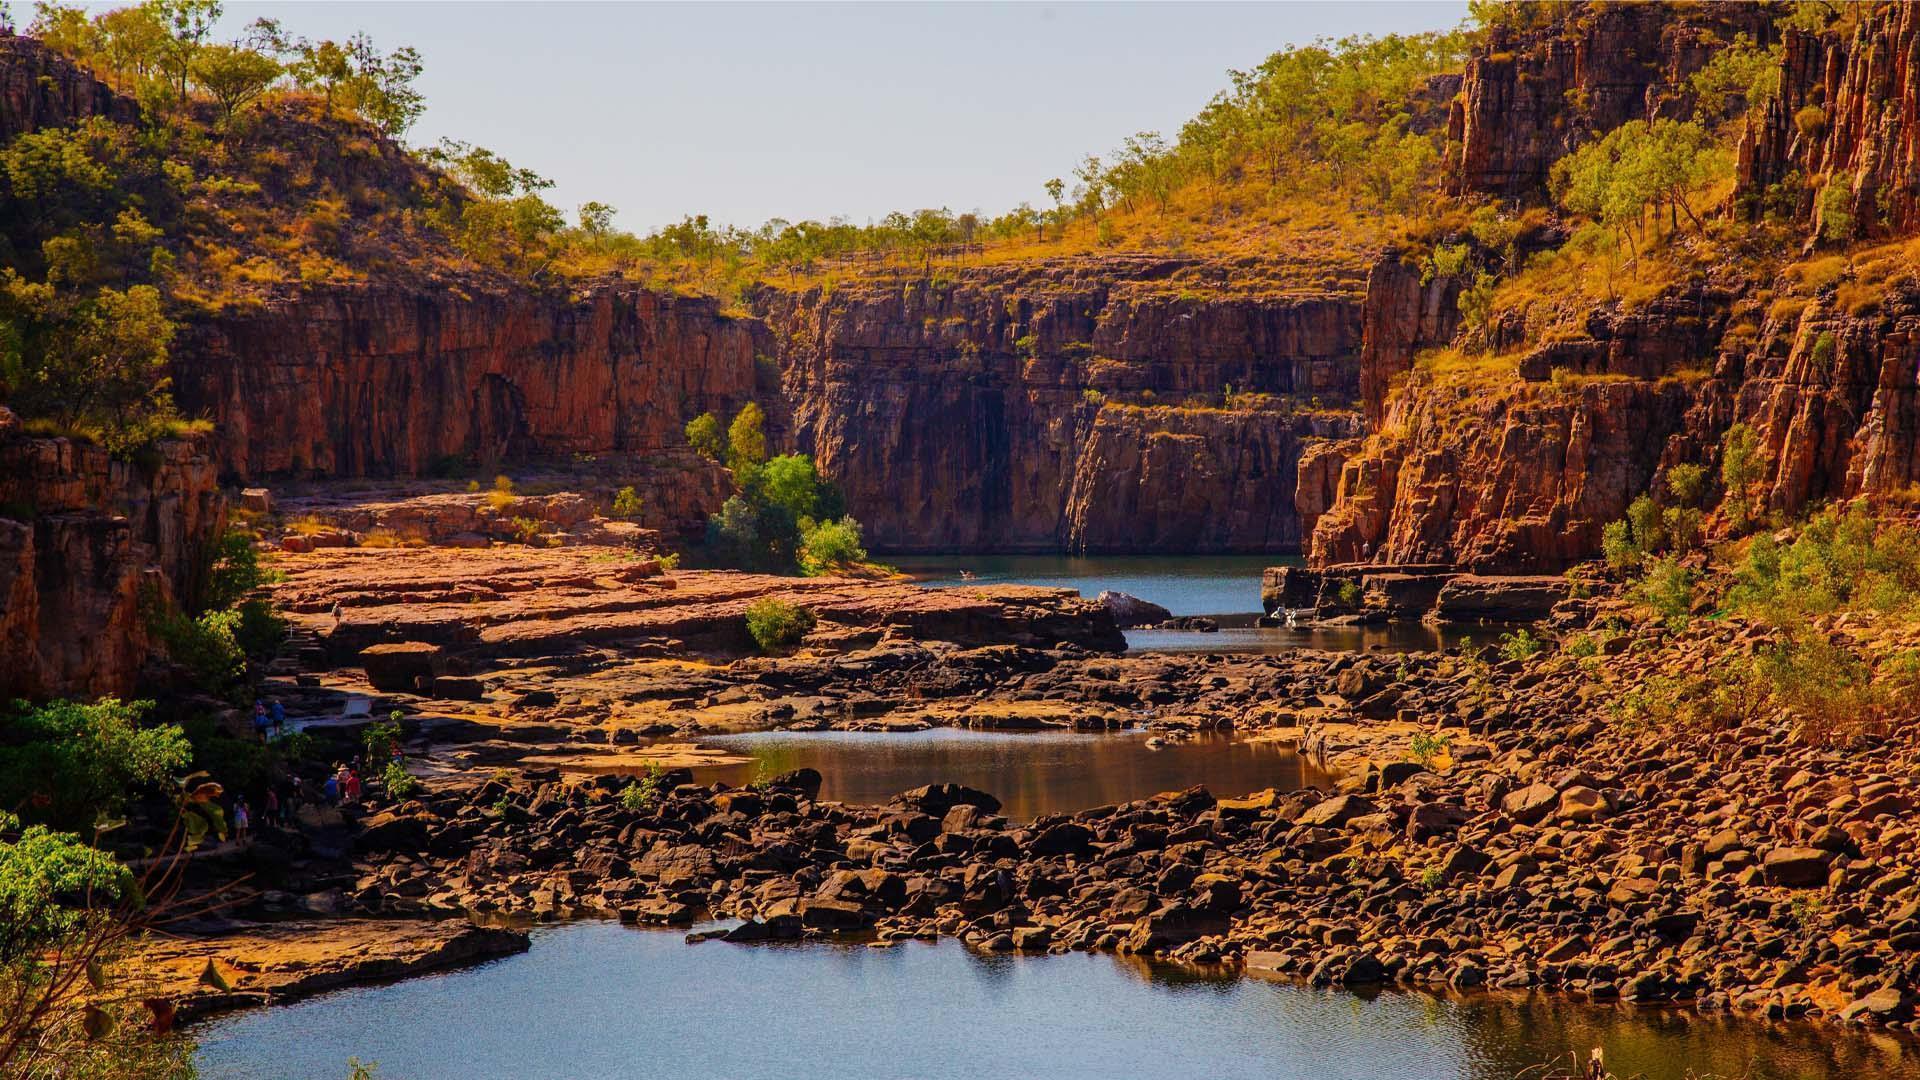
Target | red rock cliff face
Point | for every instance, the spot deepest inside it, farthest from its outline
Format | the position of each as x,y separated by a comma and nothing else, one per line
40,88
1528,98
81,538
390,381
1866,90
1045,407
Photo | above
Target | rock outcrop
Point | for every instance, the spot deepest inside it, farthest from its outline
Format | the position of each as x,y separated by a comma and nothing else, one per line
1847,111
40,88
1093,404
83,539
1533,95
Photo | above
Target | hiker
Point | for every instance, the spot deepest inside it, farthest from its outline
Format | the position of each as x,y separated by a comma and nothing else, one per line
272,806
353,786
279,713
332,789
240,821
260,719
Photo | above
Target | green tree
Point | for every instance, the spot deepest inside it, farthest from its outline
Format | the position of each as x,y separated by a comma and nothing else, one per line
65,763
778,626
233,76
832,545
790,481
95,364
747,438
703,434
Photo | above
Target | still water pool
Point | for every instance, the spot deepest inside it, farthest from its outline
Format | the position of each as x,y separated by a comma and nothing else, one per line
1031,773
597,1001
1183,584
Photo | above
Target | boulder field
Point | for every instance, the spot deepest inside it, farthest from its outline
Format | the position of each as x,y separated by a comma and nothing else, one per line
1498,823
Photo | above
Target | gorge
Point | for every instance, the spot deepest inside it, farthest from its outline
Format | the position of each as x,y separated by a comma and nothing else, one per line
1535,404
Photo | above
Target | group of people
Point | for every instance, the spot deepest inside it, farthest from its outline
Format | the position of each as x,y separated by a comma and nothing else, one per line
280,808
342,785
269,719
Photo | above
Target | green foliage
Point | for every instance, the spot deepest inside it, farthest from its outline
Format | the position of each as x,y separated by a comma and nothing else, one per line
1520,645
626,504
753,534
747,438
1840,561
1740,77
1349,594
498,218
1687,483
832,545
207,645
233,76
1741,467
1638,167
1427,747
1584,646
399,783
645,791
46,878
382,737
1667,588
224,572
703,434
790,482
777,626
94,363
1835,206
1619,548
65,764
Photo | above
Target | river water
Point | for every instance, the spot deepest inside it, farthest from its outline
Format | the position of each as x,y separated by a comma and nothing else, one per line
1031,773
597,1001
1214,585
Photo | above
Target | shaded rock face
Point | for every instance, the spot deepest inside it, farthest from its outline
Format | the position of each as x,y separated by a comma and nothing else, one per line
387,381
40,88
1864,86
82,537
1047,407
1529,98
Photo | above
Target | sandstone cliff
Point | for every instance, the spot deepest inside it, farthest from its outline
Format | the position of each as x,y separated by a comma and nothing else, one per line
1848,111
1077,404
82,537
1531,96
383,381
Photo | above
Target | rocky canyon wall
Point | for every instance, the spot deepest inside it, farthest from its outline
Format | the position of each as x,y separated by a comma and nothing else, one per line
1078,404
82,539
391,381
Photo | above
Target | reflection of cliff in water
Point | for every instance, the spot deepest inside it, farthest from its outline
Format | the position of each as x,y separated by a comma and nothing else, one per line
1031,773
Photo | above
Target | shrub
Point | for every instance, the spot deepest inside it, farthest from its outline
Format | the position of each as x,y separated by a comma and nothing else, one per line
1520,645
400,783
65,762
1667,589
703,434
830,545
1687,484
747,438
1839,561
382,737
1622,553
1741,466
777,626
1584,646
1349,593
208,647
1427,747
644,791
1836,210
626,504
501,497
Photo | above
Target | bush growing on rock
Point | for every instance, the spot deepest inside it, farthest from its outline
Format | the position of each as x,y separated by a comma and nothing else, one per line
399,783
777,626
703,434
832,545
747,438
1668,589
1520,645
626,504
64,762
643,792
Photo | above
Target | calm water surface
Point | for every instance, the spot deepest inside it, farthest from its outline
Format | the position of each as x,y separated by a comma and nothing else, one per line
1183,584
1031,773
597,1001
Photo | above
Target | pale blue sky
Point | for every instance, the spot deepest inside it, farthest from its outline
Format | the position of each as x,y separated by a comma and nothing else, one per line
751,111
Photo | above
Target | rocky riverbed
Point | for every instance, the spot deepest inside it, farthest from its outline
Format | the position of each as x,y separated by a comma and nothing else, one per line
1498,824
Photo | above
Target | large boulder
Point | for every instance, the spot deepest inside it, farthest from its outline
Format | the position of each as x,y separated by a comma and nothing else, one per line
1483,598
1797,867
1130,611
937,799
399,667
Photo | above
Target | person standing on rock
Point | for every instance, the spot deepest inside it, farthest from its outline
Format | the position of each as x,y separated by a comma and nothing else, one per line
279,713
272,807
240,821
332,789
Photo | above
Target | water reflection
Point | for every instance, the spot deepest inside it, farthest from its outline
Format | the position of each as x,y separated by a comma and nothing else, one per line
1391,637
1032,773
1183,584
595,1000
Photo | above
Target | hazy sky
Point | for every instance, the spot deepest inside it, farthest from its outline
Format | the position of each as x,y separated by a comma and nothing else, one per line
751,111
